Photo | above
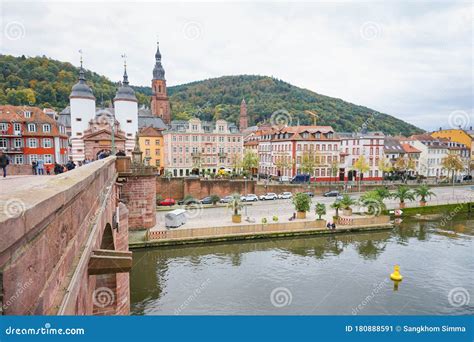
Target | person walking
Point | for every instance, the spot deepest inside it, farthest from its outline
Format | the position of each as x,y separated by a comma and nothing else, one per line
40,167
57,169
70,164
34,166
4,161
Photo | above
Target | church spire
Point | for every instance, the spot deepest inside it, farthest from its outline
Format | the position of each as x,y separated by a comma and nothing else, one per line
125,76
82,76
158,71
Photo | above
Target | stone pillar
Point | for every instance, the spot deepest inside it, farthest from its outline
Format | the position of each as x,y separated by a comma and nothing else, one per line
139,194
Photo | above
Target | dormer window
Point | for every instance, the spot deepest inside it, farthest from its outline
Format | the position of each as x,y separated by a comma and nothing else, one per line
31,127
317,135
330,135
46,128
27,114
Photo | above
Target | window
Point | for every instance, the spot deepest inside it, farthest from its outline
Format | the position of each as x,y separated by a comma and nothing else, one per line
46,128
3,126
17,143
31,127
33,157
48,159
3,143
19,159
147,142
32,143
129,121
47,143
157,163
157,152
78,119
27,114
17,127
147,152
157,142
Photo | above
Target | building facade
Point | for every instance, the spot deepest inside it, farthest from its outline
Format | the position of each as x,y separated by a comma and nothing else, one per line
27,134
196,147
370,146
292,150
152,145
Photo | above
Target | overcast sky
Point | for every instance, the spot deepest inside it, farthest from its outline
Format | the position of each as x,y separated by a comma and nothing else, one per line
410,60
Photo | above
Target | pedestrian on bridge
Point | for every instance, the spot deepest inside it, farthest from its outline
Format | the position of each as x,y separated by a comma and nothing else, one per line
4,161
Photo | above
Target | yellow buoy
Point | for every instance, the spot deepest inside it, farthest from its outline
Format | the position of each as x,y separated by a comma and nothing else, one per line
396,276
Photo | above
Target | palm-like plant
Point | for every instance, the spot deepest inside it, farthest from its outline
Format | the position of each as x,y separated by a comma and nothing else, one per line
347,201
235,204
424,192
337,206
373,201
383,193
320,210
403,193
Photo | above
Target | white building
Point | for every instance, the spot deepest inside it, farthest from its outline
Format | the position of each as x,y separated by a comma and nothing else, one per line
82,112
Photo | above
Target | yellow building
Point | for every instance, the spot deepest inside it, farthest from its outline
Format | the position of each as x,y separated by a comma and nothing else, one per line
152,145
457,135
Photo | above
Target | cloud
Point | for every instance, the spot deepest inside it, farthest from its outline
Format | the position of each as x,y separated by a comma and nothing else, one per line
410,60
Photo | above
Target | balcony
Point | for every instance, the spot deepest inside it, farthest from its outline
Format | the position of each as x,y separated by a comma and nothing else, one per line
222,155
196,154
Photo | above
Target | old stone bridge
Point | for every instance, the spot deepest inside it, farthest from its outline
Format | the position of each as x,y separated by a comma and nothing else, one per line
64,239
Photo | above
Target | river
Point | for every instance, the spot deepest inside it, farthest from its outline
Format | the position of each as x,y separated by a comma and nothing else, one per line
346,274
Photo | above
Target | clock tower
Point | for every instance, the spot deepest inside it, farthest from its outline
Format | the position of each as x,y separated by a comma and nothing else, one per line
160,105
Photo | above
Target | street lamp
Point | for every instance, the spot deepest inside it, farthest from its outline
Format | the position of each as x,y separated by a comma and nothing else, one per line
245,186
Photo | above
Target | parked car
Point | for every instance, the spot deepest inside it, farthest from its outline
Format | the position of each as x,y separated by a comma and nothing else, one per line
300,179
249,198
284,179
285,195
188,201
309,193
332,193
168,202
467,178
268,196
226,199
206,200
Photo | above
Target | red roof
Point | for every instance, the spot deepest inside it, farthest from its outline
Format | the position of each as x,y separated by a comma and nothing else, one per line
410,149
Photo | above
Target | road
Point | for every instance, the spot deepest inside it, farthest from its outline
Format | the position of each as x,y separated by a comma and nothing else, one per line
199,217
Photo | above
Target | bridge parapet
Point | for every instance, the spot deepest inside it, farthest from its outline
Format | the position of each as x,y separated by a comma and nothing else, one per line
54,231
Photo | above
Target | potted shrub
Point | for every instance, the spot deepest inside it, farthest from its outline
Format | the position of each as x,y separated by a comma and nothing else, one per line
235,205
346,203
215,199
320,210
403,193
275,218
301,201
336,206
373,201
264,220
423,192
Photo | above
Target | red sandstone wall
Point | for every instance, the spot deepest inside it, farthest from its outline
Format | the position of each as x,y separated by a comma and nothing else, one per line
40,248
177,188
139,192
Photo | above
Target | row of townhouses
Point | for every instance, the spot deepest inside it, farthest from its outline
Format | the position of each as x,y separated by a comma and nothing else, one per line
84,130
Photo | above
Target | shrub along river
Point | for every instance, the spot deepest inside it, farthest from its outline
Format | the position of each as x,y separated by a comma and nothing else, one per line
334,275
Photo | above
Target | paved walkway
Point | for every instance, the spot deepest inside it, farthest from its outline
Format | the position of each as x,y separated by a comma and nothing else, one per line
199,217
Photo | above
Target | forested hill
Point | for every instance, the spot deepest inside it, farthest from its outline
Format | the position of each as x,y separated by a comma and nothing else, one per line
221,98
45,82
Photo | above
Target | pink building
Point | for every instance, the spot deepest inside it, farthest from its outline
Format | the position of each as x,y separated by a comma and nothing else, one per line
195,146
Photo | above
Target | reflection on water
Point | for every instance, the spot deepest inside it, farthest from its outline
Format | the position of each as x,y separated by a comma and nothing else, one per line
345,274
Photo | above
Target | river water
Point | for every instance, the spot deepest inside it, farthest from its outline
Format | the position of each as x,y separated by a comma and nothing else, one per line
335,275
